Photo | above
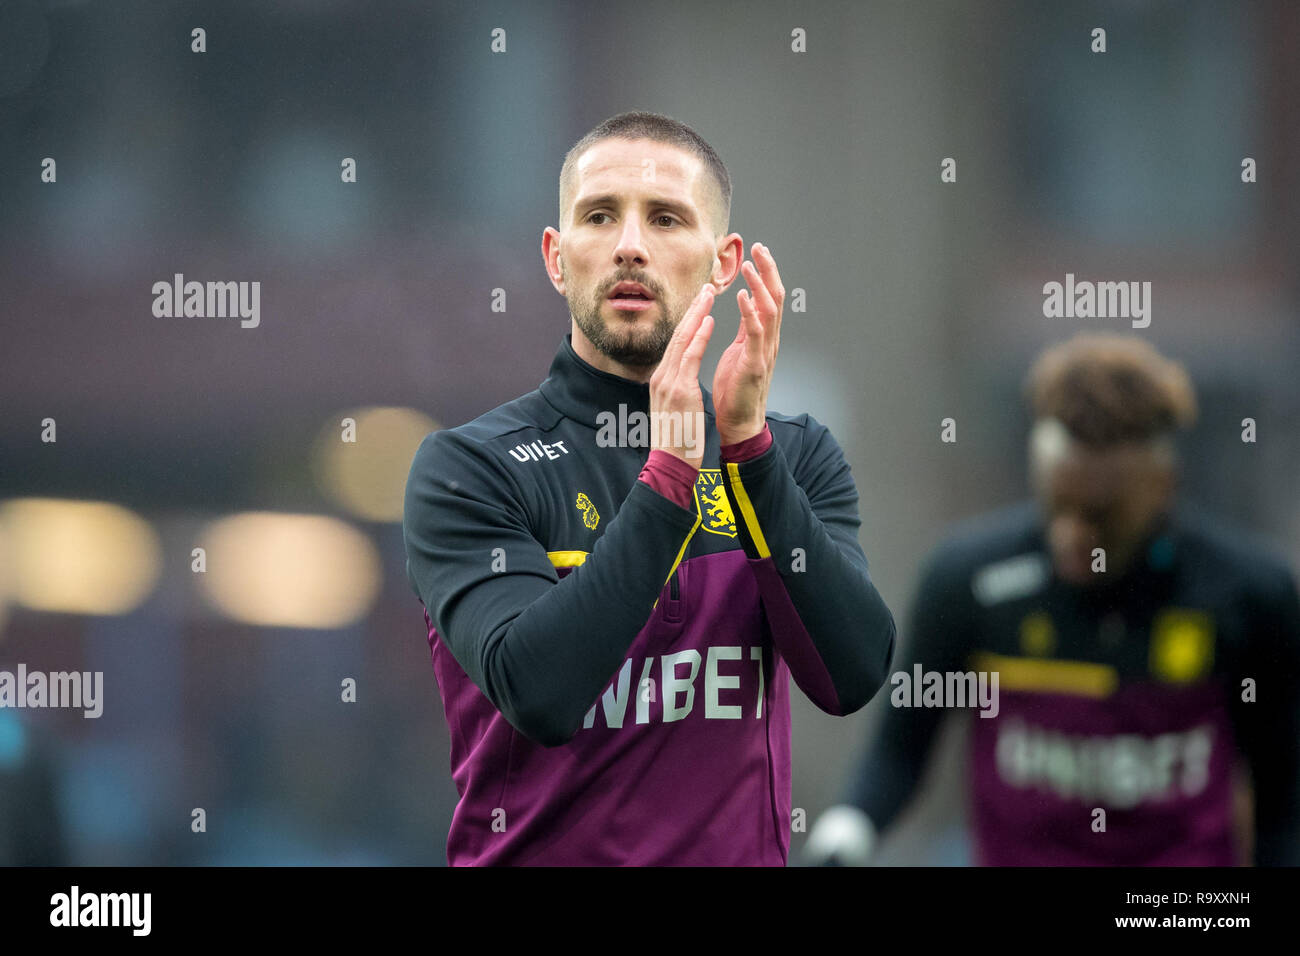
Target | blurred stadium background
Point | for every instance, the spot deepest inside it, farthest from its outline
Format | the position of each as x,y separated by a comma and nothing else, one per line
222,689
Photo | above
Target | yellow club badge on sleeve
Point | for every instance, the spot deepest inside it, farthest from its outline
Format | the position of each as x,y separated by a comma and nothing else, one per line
712,504
1182,645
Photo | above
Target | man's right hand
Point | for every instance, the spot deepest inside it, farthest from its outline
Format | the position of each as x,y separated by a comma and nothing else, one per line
676,403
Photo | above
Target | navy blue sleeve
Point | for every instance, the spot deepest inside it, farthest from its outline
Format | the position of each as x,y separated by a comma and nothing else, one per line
540,648
941,622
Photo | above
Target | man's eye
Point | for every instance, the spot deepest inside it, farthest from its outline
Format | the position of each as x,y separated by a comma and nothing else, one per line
594,215
669,218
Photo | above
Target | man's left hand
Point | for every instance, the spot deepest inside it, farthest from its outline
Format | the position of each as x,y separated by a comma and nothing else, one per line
744,373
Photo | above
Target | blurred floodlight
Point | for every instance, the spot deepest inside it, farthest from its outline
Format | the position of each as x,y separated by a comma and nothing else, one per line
6,580
78,557
288,570
364,468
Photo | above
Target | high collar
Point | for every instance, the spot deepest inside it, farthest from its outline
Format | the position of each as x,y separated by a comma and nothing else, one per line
1161,545
1150,571
581,391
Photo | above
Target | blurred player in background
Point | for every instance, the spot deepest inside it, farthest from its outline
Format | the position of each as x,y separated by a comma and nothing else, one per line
1141,652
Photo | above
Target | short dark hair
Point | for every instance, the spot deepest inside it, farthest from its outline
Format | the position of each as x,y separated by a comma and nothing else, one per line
638,124
1107,389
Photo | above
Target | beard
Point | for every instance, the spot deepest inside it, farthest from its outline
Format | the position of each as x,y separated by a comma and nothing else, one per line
627,341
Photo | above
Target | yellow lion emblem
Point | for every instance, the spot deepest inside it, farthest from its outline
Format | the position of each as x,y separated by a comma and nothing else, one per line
590,516
712,504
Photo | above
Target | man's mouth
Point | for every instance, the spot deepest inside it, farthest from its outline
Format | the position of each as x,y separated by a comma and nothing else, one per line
631,297
1074,565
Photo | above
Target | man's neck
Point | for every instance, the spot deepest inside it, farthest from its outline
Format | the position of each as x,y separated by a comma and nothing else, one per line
597,359
1137,560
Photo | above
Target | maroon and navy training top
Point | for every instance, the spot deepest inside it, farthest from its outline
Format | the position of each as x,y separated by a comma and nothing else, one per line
1140,697
614,666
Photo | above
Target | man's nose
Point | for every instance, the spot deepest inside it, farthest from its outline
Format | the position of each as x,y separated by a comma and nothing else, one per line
1074,532
631,247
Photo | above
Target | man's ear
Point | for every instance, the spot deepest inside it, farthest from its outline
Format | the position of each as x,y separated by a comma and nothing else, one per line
727,260
551,258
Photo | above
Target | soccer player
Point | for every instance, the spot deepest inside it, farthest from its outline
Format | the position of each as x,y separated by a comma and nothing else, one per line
1140,649
620,570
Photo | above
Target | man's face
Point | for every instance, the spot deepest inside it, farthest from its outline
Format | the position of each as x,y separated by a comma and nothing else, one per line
633,221
1100,498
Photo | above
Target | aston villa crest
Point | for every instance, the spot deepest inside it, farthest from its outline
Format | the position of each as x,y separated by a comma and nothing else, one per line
712,504
1182,645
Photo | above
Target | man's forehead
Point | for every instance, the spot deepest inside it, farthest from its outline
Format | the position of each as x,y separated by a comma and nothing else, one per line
617,165
1100,474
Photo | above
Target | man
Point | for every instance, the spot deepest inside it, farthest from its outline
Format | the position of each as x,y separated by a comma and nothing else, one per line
620,570
1140,650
